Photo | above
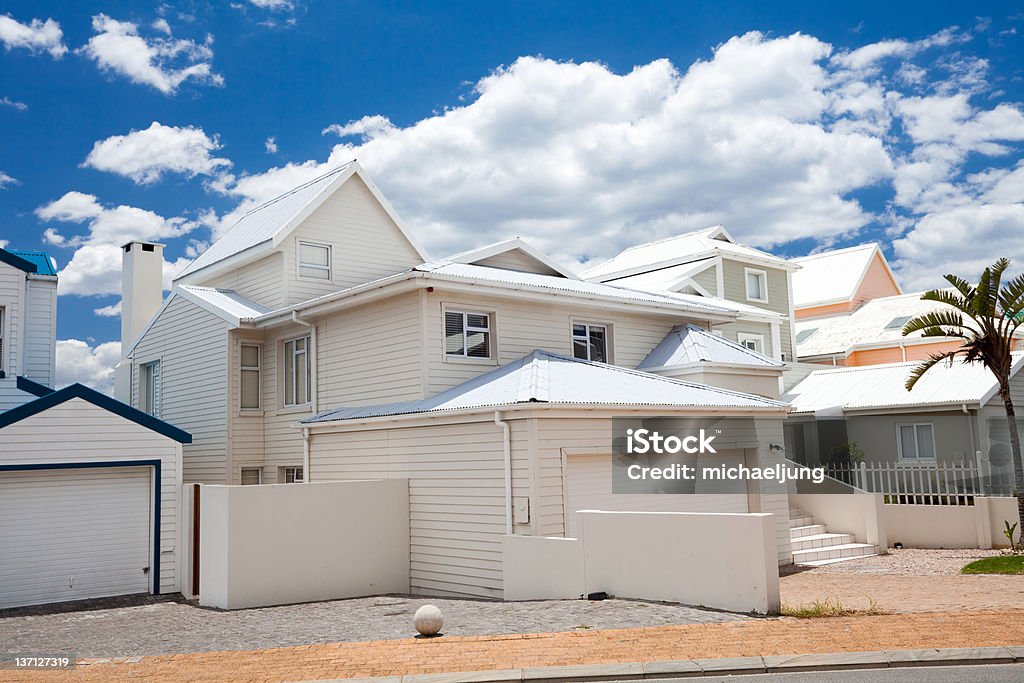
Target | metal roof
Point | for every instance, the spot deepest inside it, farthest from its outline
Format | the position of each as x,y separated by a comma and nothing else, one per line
836,390
264,222
45,265
228,301
832,276
548,378
868,325
689,344
504,246
696,244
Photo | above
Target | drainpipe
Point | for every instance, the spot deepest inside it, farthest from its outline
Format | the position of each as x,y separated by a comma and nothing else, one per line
314,390
508,470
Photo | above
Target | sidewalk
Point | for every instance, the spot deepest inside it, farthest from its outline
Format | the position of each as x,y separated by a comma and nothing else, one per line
754,638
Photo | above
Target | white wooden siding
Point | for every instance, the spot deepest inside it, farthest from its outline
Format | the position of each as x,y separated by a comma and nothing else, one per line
78,431
192,347
41,330
708,279
517,260
246,437
735,283
12,299
261,281
365,243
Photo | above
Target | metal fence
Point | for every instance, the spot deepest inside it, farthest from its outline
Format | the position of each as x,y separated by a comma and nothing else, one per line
926,484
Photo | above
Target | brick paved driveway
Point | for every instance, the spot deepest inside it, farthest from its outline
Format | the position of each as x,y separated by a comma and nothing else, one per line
174,627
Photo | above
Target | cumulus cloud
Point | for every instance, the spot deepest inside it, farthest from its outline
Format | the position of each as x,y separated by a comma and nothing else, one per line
6,181
270,145
145,155
868,56
273,4
95,267
35,36
160,61
92,366
111,311
13,104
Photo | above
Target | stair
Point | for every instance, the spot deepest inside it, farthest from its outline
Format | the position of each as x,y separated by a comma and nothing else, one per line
813,545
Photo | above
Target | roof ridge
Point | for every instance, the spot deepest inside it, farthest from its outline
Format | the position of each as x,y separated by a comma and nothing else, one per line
295,189
707,228
833,252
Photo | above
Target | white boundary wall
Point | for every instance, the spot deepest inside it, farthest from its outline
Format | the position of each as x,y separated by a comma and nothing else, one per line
287,543
953,526
720,560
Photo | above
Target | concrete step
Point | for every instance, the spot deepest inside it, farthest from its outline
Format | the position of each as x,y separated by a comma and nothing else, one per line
809,530
819,563
796,512
822,540
800,521
845,551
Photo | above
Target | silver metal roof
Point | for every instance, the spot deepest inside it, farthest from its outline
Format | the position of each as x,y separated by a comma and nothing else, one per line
549,378
228,301
688,344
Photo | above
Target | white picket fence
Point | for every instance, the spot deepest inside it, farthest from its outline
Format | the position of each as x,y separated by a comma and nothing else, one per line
925,484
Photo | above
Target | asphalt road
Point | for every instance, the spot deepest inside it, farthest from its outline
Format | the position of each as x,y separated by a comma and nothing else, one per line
977,673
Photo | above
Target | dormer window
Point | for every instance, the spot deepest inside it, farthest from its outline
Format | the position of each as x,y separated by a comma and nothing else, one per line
898,323
314,261
757,285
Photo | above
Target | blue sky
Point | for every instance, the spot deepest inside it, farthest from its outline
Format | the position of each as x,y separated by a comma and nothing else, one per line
584,128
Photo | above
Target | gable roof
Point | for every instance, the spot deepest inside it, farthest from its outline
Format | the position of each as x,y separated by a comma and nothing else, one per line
669,279
265,226
226,303
834,276
549,378
19,262
55,398
515,244
690,246
866,327
689,344
44,263
838,390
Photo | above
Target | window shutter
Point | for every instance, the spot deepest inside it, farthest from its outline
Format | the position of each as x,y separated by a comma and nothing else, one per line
250,389
250,476
453,334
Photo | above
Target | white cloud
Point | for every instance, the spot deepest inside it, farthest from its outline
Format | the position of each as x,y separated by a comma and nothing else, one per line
91,366
273,4
162,26
36,36
868,56
161,62
95,267
111,311
6,180
366,128
145,155
14,104
271,145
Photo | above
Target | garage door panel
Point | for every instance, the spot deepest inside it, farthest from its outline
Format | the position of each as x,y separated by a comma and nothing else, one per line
71,534
590,488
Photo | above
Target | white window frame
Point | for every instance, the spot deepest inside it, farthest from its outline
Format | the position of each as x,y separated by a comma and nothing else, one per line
150,402
758,339
464,357
284,372
917,447
258,369
299,265
259,475
763,275
607,339
283,477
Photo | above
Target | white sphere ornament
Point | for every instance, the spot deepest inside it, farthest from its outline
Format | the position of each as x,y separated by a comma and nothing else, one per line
428,620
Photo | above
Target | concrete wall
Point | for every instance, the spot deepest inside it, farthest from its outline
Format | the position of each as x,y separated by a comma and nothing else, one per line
860,514
724,561
955,526
289,543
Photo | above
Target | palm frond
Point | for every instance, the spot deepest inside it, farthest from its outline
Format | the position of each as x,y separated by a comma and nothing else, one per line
961,285
936,320
927,364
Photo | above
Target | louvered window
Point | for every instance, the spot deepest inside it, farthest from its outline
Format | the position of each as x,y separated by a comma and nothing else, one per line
467,335
250,379
250,476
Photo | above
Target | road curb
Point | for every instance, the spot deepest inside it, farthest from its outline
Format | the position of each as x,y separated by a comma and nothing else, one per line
627,671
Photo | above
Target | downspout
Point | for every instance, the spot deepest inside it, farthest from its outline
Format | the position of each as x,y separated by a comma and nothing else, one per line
314,390
508,470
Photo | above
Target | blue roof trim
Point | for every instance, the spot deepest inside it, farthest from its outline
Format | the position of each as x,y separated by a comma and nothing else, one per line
40,259
17,261
32,387
97,399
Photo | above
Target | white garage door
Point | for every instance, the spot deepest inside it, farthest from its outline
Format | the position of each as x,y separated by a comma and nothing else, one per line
71,534
590,488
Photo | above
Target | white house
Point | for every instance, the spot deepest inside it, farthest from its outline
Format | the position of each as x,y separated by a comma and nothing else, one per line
28,312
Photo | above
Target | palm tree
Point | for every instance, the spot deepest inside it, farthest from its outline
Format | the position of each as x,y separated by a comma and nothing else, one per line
985,318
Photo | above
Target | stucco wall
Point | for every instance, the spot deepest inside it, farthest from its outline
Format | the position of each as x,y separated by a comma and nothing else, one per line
955,526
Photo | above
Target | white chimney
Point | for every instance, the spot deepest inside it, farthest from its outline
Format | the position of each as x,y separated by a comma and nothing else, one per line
142,290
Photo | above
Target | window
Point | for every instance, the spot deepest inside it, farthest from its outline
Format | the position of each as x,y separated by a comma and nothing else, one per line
467,335
757,285
296,372
804,335
754,342
590,342
314,261
291,475
251,476
897,323
149,383
916,441
250,379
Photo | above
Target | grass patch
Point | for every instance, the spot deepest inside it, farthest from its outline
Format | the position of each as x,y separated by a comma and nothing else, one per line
829,607
1004,564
